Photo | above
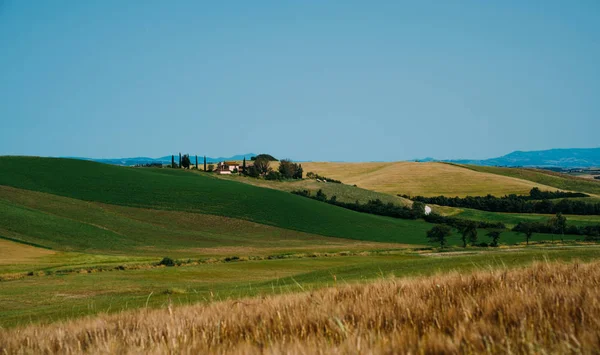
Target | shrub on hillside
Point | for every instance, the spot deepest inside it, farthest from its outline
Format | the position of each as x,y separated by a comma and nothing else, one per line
166,261
311,175
274,175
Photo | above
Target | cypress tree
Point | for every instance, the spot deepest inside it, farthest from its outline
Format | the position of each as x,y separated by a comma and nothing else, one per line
196,162
244,166
205,163
172,161
179,160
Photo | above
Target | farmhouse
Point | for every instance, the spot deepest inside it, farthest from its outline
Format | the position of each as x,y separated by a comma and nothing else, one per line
227,167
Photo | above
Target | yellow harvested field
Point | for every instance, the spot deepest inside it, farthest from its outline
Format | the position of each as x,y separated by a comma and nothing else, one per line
426,179
16,253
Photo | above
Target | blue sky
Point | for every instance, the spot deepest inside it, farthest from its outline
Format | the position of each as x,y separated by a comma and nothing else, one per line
307,80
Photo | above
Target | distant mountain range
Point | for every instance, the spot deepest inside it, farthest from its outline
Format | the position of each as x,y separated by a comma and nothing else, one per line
552,158
164,160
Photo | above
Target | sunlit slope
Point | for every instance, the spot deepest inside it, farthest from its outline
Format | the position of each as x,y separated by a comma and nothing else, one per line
342,192
175,190
549,178
426,179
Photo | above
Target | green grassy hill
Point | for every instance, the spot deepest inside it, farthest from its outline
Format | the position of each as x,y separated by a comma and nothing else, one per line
167,190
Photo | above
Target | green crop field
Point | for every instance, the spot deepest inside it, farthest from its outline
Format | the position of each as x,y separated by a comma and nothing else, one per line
68,224
177,190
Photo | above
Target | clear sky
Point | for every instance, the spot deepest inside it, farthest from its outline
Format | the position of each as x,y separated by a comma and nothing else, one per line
308,80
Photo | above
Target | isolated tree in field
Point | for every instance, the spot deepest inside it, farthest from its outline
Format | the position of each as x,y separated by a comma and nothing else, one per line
439,234
495,237
185,161
262,166
558,224
196,162
468,232
205,163
172,161
526,228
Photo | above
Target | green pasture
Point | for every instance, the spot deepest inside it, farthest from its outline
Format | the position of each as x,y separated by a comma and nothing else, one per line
59,297
512,219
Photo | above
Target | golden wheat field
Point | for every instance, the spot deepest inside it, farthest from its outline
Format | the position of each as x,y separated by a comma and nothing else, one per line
546,308
426,179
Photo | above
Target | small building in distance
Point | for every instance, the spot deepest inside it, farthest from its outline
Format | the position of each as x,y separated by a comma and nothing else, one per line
227,167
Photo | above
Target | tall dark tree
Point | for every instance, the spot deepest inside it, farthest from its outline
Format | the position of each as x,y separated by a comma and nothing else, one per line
172,161
196,162
526,228
559,224
439,234
205,163
185,161
180,160
494,236
418,209
299,172
287,168
262,166
468,233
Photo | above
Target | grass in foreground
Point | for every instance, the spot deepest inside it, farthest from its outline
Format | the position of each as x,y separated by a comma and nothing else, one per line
545,308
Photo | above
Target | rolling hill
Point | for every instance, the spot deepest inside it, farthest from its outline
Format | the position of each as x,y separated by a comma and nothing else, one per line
545,177
113,209
426,179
